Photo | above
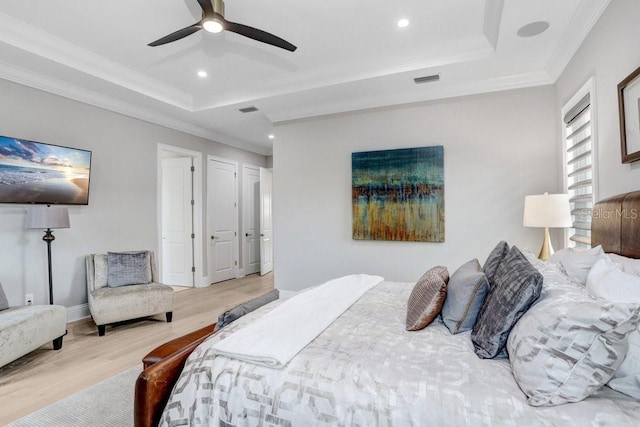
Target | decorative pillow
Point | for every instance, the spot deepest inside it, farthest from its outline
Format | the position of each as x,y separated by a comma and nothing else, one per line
606,281
569,344
629,265
577,263
237,312
128,268
427,298
466,292
516,286
4,303
494,259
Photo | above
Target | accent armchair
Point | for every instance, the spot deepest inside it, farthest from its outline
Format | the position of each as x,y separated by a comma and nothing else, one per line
123,286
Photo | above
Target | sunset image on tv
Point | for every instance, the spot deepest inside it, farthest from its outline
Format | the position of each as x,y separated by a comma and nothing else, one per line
34,172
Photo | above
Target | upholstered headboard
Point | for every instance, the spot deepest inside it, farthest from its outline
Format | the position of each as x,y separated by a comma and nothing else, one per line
616,224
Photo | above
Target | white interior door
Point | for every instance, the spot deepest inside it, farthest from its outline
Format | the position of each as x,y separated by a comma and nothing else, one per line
266,223
223,220
177,221
250,219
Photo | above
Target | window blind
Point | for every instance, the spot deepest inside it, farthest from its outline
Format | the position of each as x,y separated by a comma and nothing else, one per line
579,170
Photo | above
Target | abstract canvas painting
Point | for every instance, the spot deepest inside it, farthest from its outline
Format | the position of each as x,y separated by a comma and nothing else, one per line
398,194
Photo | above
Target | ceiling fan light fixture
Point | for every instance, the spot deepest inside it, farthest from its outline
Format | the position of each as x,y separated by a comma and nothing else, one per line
212,26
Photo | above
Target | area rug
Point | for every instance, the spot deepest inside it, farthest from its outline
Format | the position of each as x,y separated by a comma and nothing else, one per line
108,403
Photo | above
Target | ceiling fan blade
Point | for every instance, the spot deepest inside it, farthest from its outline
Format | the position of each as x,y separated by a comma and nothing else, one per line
259,35
206,6
187,31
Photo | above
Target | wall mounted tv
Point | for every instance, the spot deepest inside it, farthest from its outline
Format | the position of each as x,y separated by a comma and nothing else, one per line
35,172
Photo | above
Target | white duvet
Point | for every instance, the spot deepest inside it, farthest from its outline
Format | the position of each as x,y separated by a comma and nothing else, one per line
366,370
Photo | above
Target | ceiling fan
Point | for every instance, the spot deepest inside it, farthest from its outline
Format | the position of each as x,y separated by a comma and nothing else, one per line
213,20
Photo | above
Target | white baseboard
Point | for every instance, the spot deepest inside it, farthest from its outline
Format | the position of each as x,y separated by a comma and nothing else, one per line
78,312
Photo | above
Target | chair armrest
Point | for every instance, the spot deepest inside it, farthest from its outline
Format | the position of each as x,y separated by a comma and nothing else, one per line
156,381
170,347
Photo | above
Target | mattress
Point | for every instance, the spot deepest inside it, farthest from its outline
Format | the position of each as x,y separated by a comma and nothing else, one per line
366,370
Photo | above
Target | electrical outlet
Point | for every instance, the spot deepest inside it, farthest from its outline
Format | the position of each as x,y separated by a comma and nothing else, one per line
28,299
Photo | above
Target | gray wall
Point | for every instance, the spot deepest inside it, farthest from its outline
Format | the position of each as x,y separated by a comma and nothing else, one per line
498,148
121,214
609,54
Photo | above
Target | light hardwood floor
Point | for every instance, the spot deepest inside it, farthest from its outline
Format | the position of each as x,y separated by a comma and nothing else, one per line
46,376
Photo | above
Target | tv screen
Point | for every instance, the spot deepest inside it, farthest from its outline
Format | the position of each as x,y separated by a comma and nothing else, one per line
35,172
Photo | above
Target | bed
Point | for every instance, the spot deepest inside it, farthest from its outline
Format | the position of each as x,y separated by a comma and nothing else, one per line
366,369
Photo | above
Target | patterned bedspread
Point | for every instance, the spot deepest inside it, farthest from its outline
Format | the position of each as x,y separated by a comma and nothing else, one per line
366,370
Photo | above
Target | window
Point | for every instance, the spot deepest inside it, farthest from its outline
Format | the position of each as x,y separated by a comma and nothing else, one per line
579,155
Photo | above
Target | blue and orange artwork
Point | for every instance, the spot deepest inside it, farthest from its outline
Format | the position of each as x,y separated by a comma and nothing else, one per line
398,194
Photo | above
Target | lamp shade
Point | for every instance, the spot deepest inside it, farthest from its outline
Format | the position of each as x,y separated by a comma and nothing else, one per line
47,217
547,210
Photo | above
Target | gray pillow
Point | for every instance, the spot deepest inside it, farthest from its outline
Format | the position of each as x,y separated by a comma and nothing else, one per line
494,259
237,312
128,268
517,285
467,289
4,303
577,263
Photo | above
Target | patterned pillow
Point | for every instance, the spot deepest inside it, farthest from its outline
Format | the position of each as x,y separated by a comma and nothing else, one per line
466,292
4,303
569,344
494,259
516,286
128,268
427,298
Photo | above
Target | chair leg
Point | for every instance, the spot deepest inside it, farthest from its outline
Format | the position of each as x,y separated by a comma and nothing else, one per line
169,316
101,330
57,343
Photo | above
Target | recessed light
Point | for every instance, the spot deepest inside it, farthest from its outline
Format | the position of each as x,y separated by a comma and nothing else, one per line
533,29
202,73
271,136
402,23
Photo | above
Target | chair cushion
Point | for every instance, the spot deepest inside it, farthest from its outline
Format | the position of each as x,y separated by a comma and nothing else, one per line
128,268
109,305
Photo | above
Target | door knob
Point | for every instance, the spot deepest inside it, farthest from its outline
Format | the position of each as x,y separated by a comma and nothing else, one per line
213,237
261,235
247,234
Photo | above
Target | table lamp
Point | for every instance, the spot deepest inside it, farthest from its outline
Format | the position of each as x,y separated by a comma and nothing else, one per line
547,210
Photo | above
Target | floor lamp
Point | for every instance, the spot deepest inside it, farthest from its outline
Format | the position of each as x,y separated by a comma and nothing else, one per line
48,217
547,210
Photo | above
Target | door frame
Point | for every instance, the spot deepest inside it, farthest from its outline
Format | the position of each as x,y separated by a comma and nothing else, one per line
200,278
243,226
236,246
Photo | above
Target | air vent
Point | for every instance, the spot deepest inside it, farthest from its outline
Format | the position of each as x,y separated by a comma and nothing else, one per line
427,79
248,109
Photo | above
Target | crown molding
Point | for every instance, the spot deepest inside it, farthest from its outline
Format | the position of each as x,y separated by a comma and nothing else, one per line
576,32
76,93
30,39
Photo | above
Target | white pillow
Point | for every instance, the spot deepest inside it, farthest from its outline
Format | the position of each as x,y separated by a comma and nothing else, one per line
606,281
577,263
629,265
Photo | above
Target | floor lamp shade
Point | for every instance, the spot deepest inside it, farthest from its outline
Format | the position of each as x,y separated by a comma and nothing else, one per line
48,217
44,217
547,211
